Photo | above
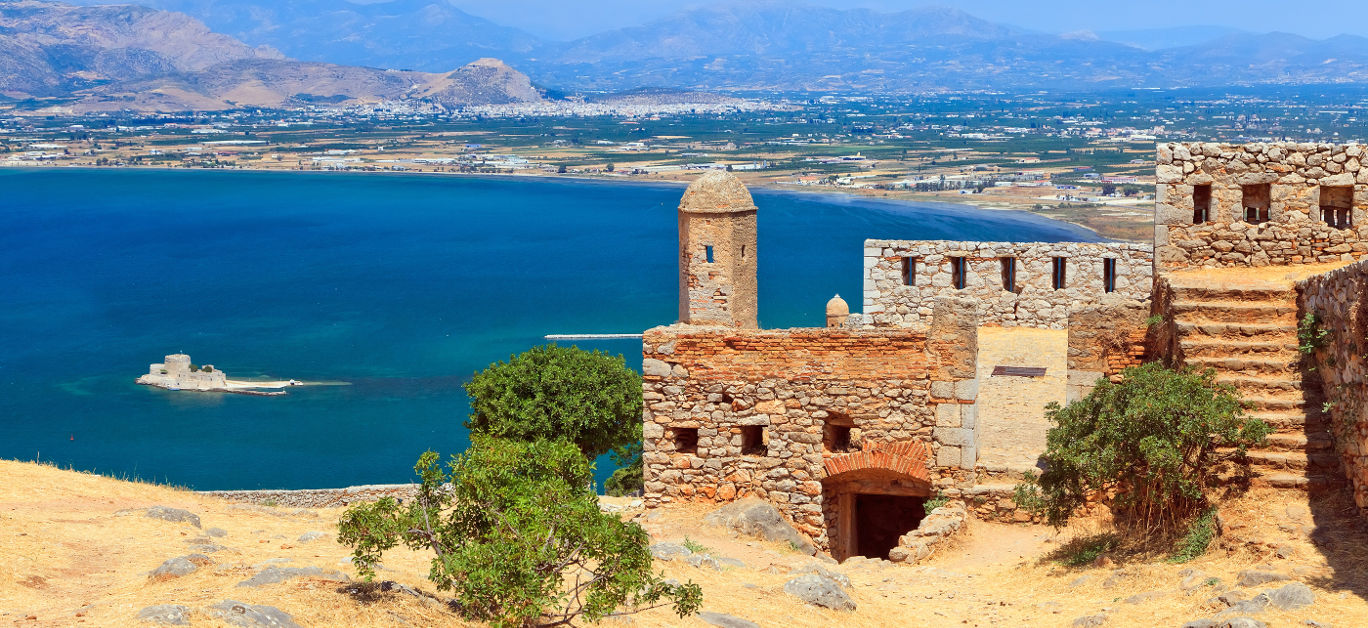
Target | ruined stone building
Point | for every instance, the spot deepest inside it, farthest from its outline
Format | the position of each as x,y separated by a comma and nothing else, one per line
938,385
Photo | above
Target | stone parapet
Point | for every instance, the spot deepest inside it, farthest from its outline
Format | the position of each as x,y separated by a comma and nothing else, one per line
1261,204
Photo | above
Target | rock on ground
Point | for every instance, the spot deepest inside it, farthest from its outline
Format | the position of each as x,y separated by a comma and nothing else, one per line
273,575
669,551
1292,597
1235,622
174,514
165,614
311,536
726,621
818,570
175,568
252,616
216,532
1254,577
757,517
1090,621
820,591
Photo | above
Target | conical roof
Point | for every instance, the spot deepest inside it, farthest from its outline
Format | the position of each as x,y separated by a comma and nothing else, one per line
717,192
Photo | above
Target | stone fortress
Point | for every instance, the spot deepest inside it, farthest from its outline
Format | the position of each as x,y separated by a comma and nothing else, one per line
175,373
938,386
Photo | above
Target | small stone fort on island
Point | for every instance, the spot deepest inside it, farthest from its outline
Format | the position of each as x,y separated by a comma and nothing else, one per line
938,386
176,372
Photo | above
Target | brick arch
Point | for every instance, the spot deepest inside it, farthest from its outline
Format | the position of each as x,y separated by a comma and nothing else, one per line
905,458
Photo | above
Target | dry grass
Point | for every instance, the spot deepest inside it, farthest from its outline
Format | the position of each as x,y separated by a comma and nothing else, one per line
67,557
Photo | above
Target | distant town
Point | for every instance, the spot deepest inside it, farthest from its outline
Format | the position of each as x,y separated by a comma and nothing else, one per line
1083,158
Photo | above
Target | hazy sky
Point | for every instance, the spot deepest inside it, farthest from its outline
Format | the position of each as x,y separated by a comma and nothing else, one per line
567,19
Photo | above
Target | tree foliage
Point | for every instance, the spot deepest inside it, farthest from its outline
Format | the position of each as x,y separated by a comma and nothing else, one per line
630,474
518,537
1151,446
552,392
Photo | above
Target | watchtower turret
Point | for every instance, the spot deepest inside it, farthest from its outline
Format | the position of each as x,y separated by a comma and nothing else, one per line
717,276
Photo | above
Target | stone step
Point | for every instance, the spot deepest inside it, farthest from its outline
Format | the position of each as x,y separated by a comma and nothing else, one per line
1249,365
1237,311
1275,384
1317,441
1314,483
1265,404
1310,421
1208,293
1262,460
1201,346
1267,332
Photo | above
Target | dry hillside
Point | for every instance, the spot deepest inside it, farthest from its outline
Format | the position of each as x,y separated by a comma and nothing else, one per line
77,549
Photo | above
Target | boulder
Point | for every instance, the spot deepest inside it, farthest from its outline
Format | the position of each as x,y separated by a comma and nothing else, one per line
1235,622
756,517
174,514
704,560
669,551
165,615
1090,621
273,575
818,570
175,568
216,532
726,621
1255,577
311,536
252,615
1292,597
820,591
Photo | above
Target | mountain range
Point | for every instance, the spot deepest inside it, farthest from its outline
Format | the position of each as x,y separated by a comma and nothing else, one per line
270,53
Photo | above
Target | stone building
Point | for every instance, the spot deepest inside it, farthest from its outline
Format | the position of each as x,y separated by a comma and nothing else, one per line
176,373
938,386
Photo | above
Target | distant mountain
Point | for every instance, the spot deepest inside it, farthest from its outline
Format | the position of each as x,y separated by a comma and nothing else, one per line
1161,38
428,35
49,49
103,58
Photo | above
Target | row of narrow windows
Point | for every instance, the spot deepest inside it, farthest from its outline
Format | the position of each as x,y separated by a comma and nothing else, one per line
1059,272
835,438
1336,204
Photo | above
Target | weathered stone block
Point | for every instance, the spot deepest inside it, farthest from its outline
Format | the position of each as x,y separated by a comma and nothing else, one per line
948,415
956,436
948,456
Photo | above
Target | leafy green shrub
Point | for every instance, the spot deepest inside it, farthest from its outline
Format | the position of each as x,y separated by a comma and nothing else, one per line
694,546
551,392
936,502
1147,445
629,476
517,535
1197,539
1085,550
1310,335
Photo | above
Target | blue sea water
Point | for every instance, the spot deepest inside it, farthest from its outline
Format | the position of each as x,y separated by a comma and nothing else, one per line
402,286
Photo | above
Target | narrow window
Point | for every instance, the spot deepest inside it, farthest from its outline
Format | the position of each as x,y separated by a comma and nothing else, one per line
1257,199
1009,274
685,439
909,271
958,273
836,437
1337,206
707,251
743,251
1109,274
1059,272
752,440
1201,204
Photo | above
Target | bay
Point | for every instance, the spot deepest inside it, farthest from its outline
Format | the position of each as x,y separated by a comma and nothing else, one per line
400,285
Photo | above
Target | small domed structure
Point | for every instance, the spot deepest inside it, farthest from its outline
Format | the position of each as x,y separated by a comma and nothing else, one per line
837,311
717,191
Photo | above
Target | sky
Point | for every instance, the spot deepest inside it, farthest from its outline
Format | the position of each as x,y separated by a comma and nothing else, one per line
568,19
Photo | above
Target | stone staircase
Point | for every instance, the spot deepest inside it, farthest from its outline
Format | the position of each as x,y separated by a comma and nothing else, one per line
1248,334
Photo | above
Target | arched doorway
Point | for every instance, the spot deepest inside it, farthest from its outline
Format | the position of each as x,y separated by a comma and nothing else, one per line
871,498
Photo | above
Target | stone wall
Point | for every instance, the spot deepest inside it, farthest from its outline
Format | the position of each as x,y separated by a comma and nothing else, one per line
771,407
1296,230
1033,300
319,497
1339,300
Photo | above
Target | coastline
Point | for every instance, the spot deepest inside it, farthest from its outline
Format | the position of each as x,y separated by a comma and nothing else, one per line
768,186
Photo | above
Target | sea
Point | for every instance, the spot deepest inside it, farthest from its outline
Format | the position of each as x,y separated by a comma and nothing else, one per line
394,289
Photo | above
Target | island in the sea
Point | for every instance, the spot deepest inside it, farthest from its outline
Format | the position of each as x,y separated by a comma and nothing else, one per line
178,373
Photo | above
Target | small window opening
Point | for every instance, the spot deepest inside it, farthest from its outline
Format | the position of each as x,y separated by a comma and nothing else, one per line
1060,270
836,433
752,440
743,251
957,269
1257,201
707,252
909,271
1009,274
685,439
1337,206
1201,204
1109,274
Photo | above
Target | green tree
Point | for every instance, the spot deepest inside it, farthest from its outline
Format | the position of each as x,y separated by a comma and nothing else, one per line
629,476
1152,444
518,538
552,392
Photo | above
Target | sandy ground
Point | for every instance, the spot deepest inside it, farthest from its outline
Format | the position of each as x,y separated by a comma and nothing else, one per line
75,549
